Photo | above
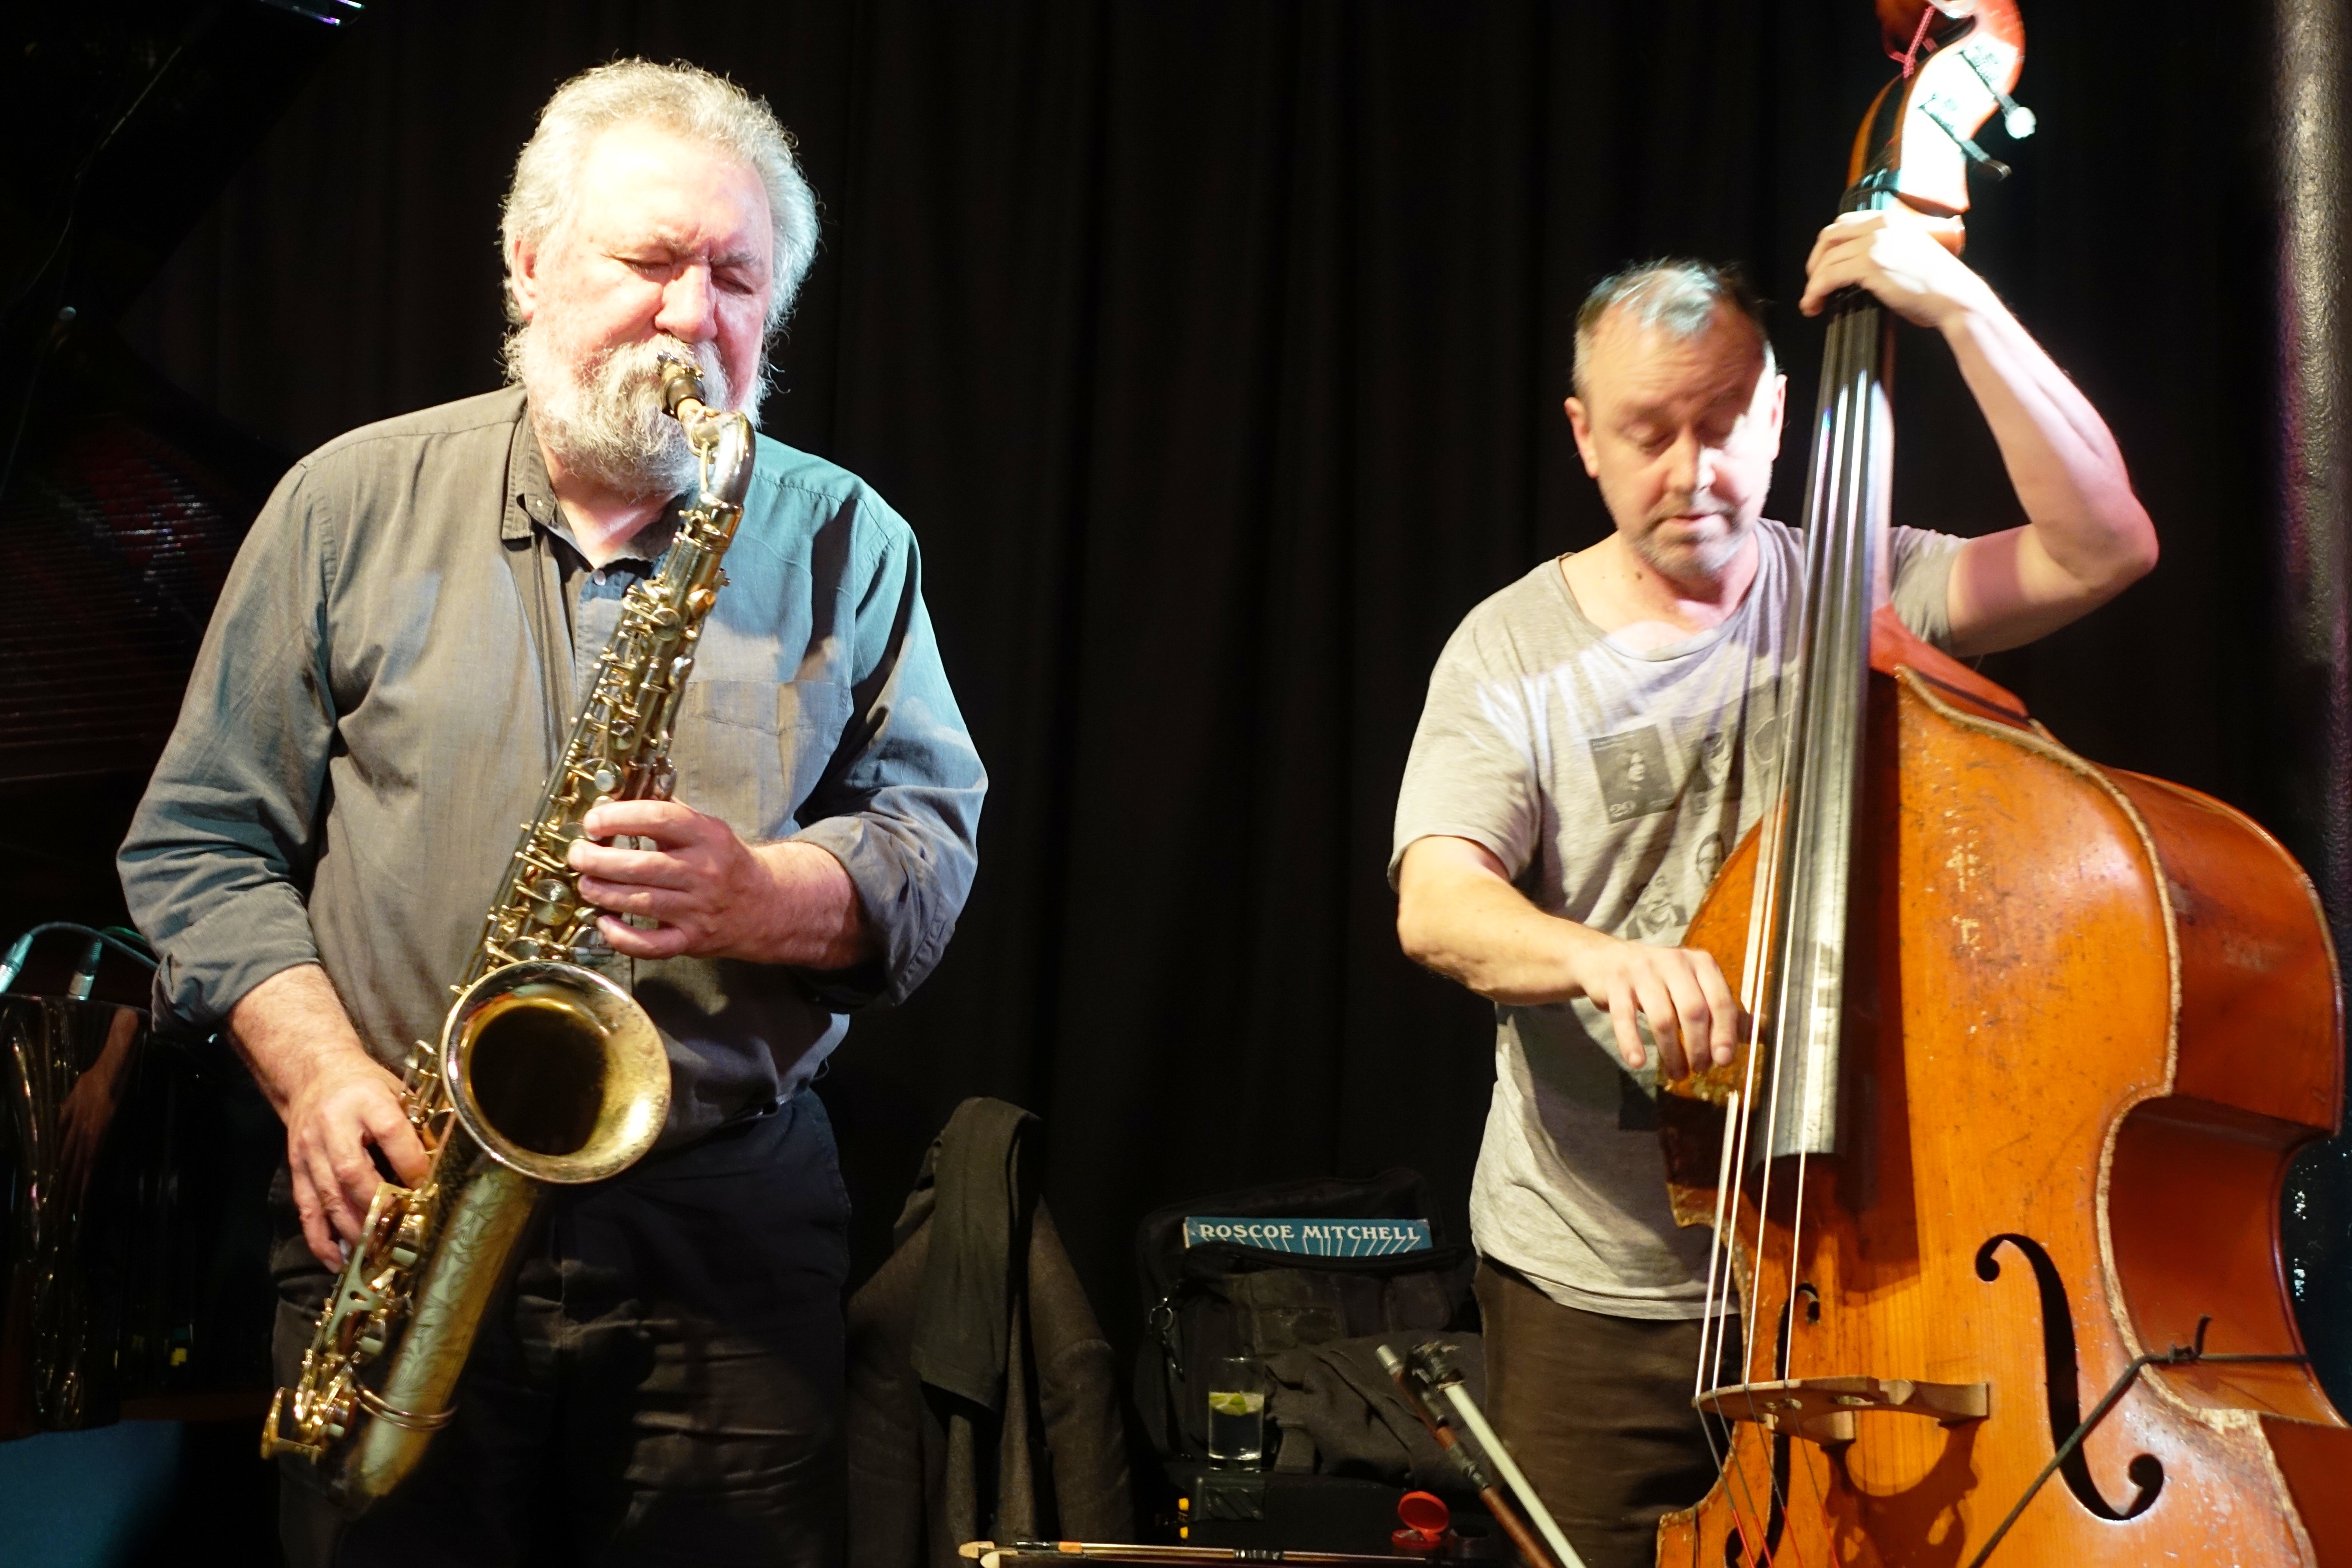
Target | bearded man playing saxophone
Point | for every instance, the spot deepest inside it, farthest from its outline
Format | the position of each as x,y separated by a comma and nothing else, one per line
382,695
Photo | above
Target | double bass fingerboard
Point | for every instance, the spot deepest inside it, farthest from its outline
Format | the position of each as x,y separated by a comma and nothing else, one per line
1810,867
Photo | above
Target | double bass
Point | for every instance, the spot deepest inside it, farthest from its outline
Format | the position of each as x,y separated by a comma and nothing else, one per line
1995,1176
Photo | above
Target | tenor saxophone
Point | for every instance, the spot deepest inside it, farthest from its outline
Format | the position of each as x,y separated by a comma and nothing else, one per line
545,1071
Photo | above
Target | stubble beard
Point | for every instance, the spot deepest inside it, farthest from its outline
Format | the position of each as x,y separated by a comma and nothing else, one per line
1694,565
600,415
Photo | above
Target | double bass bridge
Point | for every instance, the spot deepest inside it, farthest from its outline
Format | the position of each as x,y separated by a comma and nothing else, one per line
1821,1409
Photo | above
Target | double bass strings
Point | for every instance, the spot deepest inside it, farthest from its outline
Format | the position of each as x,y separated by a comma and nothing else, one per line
1825,636
1794,758
1830,633
1710,1342
1740,1118
1836,669
1765,913
1840,515
1722,1261
1832,638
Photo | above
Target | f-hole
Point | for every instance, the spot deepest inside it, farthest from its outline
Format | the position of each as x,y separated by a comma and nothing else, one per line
2060,1376
1813,1299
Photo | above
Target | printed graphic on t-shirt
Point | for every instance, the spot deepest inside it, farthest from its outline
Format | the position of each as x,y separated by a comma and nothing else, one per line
1658,914
1707,859
1714,761
1632,769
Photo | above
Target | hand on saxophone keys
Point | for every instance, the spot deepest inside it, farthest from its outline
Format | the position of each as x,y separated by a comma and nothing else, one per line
343,1113
347,1110
694,877
711,894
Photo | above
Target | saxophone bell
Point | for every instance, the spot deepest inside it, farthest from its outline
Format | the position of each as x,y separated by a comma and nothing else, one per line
555,1071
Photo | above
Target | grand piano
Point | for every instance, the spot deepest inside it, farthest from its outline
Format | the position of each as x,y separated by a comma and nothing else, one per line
134,1167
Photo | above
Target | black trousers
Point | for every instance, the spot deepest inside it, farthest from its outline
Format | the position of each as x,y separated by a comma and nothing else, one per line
1597,1411
661,1385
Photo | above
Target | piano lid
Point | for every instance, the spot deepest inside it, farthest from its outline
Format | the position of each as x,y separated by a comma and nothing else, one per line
122,499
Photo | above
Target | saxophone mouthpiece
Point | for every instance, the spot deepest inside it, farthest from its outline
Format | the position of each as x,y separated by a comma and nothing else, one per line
681,382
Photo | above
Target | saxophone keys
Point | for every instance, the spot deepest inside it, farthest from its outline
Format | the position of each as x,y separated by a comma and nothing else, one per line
333,1416
555,905
274,1440
272,1444
380,1220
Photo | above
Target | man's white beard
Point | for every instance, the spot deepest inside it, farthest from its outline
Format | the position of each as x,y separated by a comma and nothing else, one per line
602,419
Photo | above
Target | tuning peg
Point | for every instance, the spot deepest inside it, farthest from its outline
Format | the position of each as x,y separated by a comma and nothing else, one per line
2015,118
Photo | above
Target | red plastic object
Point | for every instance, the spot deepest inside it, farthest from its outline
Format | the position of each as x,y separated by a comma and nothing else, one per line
1428,1525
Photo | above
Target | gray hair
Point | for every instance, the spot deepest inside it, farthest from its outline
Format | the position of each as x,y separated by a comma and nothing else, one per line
688,102
1679,295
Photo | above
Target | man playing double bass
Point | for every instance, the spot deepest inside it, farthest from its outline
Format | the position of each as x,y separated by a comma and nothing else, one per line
1599,735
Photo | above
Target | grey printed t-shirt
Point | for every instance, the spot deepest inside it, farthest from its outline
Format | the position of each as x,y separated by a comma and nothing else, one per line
1613,784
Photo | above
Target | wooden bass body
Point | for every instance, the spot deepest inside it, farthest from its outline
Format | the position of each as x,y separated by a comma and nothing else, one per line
2089,1018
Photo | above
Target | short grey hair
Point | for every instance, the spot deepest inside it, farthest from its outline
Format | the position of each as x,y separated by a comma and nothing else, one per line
1673,292
687,101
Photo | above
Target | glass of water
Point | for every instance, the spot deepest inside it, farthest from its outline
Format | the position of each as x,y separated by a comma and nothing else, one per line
1238,1391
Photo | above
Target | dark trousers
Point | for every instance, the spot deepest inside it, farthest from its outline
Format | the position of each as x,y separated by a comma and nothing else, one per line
1597,1411
661,1385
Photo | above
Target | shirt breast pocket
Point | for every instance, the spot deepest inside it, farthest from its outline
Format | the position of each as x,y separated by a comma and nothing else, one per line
749,752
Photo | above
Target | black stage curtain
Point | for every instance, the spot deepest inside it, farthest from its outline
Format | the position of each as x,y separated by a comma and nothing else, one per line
1215,353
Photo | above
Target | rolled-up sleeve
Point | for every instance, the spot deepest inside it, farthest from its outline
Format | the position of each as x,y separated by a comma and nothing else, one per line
900,804
219,855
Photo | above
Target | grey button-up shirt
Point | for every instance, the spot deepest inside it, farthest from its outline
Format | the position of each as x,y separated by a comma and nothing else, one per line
391,674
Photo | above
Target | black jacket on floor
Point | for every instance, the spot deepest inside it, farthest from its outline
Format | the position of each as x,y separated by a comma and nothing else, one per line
982,1396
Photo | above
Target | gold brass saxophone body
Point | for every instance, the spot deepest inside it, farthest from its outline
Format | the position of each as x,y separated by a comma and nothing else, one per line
546,1072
